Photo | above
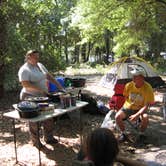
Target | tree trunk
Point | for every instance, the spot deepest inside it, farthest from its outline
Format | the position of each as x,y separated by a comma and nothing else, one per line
3,40
107,43
77,53
66,46
90,45
83,52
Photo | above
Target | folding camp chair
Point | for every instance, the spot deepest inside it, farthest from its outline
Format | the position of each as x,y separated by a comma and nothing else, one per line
117,100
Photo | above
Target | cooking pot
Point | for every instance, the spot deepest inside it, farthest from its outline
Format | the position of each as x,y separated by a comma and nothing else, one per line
55,97
28,109
78,82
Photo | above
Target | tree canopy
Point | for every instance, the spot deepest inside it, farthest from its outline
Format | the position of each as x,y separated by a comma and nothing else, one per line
131,23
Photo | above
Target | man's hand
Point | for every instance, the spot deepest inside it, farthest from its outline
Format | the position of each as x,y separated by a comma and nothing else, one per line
44,93
62,90
133,117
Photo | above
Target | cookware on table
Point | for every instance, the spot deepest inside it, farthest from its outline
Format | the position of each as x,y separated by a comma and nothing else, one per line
28,109
37,99
78,82
43,105
55,97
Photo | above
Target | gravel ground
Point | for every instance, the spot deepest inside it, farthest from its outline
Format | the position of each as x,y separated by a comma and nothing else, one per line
62,154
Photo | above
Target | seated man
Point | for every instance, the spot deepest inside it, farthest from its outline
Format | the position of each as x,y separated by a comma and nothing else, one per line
138,96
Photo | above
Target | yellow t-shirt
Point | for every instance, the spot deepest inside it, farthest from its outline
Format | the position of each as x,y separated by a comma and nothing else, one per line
136,98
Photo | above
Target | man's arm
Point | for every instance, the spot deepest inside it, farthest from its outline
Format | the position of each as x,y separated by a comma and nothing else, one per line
54,81
32,88
140,112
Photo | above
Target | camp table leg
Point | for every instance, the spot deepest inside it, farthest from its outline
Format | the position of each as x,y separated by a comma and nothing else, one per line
38,136
14,137
15,142
81,128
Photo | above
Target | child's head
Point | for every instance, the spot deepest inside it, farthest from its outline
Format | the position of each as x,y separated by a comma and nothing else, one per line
101,147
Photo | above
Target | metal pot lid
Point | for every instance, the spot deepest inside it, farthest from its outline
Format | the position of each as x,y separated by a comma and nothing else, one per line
27,106
36,99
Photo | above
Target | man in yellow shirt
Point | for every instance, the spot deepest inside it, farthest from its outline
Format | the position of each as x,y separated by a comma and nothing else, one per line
138,96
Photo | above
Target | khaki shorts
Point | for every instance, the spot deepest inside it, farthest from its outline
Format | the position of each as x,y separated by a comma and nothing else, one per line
129,112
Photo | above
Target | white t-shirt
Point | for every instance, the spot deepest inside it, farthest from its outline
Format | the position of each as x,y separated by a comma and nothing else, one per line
36,75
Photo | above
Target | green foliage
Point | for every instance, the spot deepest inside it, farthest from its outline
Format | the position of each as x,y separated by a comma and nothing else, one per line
33,25
131,22
137,26
160,65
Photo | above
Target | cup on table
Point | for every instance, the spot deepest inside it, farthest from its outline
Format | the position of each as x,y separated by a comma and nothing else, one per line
63,101
73,100
68,100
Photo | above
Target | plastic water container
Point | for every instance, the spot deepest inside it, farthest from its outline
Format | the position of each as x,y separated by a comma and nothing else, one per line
53,88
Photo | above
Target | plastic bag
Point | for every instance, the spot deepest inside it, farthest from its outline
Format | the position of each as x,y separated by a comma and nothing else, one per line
109,121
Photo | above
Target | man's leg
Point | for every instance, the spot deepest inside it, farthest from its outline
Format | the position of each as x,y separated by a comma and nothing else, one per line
143,125
48,126
119,117
144,122
33,129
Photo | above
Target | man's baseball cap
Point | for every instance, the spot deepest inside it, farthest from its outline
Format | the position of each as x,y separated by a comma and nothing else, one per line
137,73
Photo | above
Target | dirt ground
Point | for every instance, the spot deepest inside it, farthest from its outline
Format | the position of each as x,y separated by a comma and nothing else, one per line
153,150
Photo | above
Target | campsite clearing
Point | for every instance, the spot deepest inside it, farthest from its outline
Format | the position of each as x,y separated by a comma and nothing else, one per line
63,153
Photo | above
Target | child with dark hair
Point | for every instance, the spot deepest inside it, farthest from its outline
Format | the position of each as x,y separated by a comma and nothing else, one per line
100,148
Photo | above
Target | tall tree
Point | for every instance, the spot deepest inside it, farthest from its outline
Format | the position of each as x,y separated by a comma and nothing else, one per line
3,46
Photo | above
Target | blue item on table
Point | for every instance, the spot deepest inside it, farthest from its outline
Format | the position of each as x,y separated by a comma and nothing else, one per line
53,88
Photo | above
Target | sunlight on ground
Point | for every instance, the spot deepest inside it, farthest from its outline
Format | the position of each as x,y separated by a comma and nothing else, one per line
98,90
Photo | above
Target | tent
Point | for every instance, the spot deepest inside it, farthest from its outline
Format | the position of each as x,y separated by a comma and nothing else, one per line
120,72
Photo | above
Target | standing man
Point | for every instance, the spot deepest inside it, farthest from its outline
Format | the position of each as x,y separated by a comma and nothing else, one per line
33,77
138,96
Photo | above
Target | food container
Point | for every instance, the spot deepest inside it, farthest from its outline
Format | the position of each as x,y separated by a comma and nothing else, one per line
65,101
43,106
47,109
28,109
